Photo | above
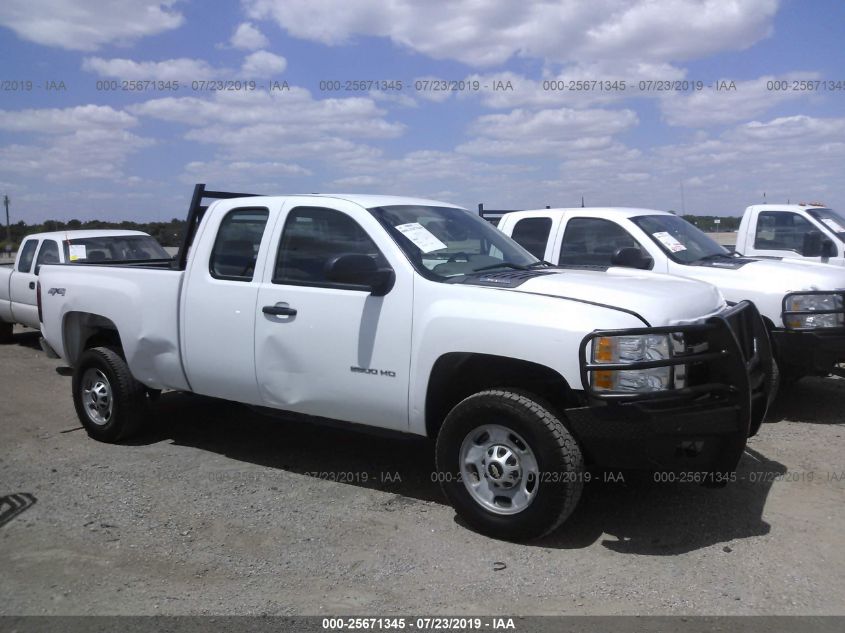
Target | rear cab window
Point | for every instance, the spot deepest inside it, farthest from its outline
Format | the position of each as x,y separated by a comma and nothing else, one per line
236,245
47,254
533,235
27,255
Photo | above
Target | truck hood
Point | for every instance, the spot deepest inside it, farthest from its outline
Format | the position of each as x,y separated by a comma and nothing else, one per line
769,276
659,299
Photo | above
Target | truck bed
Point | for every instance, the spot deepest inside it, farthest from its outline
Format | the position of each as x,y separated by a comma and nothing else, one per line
140,301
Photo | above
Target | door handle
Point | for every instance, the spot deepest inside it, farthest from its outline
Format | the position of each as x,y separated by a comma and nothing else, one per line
32,285
279,310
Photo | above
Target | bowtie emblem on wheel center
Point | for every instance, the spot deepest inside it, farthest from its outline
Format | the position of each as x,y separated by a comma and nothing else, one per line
502,466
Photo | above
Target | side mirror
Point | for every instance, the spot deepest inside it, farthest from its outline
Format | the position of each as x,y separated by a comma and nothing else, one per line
631,257
828,249
355,269
811,246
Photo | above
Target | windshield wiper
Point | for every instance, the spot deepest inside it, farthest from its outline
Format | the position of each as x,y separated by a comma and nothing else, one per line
501,265
715,256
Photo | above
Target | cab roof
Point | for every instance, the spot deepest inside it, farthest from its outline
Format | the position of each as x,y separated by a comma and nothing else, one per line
367,201
82,234
619,212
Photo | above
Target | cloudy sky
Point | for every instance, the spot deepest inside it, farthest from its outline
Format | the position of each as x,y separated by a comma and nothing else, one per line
347,96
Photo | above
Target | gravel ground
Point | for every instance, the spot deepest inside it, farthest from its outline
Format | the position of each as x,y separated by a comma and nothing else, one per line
212,510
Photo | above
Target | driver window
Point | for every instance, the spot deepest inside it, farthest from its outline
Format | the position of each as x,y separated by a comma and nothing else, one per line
592,242
236,247
314,235
781,231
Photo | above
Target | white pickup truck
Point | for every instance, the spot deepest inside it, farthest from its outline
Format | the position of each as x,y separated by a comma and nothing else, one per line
802,303
809,232
17,281
419,317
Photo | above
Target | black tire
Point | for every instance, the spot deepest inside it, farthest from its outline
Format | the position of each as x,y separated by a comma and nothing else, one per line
557,455
6,332
128,396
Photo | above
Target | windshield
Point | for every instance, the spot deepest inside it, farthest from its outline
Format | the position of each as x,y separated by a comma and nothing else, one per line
681,241
831,219
113,248
445,242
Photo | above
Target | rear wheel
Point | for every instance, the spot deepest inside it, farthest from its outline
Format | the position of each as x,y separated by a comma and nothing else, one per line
110,403
6,332
508,465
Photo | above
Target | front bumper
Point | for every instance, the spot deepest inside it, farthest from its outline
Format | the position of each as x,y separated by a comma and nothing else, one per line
702,427
810,351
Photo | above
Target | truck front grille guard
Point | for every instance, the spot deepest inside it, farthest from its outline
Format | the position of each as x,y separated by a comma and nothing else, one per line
727,354
787,313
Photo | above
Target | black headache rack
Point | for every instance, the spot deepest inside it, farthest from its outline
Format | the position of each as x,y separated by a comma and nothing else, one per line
195,214
727,357
787,313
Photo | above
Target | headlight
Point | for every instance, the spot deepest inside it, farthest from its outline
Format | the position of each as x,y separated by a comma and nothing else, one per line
634,350
829,303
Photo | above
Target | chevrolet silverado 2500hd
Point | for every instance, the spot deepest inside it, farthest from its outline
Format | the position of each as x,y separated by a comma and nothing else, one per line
17,281
803,303
418,316
809,232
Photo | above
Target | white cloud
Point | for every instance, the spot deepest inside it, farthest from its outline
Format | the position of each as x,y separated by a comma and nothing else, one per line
550,132
564,31
248,37
248,122
751,99
63,121
85,25
181,69
82,142
263,64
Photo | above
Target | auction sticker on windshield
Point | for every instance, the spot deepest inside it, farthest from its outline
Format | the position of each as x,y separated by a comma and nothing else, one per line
669,242
77,251
422,238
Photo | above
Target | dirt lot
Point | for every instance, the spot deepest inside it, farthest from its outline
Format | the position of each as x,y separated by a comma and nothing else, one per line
213,510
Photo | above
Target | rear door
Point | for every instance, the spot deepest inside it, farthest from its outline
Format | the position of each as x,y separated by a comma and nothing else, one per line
218,304
22,286
341,353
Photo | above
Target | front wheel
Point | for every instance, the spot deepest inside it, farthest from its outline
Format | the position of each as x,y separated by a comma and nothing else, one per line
508,465
110,403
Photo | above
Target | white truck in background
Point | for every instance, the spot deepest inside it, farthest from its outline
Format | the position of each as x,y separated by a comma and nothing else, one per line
802,303
18,280
809,232
419,317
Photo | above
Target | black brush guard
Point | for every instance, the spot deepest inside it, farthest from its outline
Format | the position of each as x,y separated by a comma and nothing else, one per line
704,425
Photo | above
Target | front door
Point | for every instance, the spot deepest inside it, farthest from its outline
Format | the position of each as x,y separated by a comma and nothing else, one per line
333,351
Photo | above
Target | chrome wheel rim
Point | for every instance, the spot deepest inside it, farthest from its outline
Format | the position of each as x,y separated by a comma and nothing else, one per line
499,469
97,396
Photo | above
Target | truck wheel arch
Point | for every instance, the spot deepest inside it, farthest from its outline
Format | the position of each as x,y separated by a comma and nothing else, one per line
457,375
83,330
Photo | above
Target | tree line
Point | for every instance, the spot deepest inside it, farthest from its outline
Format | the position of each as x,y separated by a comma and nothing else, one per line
167,233
170,233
